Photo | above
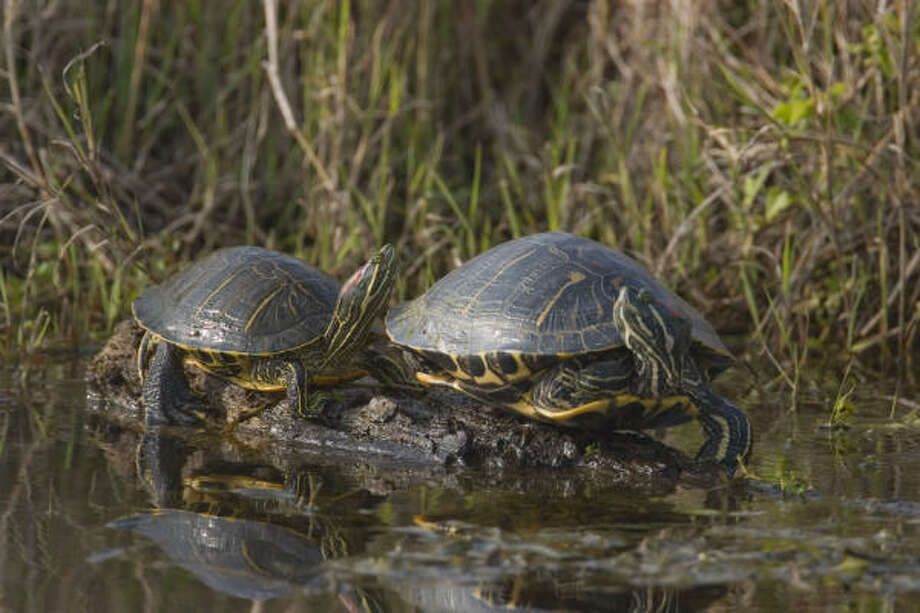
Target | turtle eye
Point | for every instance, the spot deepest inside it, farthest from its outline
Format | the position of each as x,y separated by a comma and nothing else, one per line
645,295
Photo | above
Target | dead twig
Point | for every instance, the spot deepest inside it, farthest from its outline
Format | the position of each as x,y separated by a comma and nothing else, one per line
274,78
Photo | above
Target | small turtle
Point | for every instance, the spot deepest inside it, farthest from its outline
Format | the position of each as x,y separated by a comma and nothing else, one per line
561,328
261,319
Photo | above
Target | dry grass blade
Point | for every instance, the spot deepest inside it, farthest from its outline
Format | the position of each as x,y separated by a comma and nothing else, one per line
281,99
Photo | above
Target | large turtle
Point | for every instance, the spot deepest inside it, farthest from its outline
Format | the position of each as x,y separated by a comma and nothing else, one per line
561,328
259,318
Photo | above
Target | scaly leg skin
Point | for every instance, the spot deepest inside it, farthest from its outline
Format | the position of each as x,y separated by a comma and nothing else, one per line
600,386
167,398
292,375
307,402
572,384
294,379
728,433
726,427
389,366
316,403
142,350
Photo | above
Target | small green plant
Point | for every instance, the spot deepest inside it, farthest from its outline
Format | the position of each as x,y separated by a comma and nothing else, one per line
792,484
844,408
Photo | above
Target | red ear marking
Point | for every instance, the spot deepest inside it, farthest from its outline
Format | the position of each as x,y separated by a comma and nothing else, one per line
353,279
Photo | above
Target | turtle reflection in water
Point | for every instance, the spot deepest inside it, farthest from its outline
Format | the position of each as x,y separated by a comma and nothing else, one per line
562,329
244,558
261,319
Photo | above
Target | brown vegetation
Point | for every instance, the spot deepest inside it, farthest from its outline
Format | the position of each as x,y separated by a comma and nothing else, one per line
761,157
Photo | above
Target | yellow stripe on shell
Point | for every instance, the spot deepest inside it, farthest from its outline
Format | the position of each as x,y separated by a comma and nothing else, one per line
216,291
574,277
473,299
261,306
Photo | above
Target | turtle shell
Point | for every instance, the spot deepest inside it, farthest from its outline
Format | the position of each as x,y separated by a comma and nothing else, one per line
242,300
241,557
549,294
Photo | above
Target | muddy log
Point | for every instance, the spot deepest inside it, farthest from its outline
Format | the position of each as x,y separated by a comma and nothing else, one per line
437,433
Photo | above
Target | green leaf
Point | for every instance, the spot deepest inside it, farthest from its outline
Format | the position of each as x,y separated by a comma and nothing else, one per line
778,200
752,186
793,111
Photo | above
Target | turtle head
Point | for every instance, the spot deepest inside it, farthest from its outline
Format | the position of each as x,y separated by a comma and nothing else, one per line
658,339
361,300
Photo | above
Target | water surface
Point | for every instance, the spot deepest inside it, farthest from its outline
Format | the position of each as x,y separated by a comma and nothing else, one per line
98,517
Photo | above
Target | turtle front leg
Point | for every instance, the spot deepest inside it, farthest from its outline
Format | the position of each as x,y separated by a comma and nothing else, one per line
305,401
294,379
167,398
726,427
290,373
728,432
142,353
